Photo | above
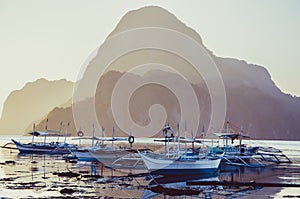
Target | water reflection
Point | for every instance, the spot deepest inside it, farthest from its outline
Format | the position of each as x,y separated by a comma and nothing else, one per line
187,185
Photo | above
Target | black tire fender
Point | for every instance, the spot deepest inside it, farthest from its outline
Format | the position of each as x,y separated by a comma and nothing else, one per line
131,139
80,133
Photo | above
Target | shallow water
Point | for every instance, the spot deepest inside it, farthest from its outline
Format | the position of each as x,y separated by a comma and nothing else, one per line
41,176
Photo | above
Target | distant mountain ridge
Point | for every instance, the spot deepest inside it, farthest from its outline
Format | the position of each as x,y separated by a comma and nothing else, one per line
254,102
32,103
260,114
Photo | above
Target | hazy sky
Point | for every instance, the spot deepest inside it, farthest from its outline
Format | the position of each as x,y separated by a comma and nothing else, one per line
52,38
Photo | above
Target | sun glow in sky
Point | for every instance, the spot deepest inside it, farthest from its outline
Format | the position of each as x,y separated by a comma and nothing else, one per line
53,38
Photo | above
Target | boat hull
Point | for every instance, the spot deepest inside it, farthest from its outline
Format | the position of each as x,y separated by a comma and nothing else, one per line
178,167
108,156
207,172
41,149
83,155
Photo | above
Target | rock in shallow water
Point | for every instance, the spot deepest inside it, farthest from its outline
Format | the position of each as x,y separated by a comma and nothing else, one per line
67,191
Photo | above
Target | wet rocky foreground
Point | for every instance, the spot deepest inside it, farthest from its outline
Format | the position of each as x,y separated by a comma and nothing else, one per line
45,176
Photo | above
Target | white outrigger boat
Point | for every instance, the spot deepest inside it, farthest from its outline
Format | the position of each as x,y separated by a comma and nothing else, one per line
121,157
52,148
98,151
182,161
188,163
128,158
84,153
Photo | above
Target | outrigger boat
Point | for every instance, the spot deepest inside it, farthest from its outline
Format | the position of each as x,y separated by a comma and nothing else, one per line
230,149
128,158
236,155
182,162
96,151
119,158
188,163
100,152
52,148
84,153
242,155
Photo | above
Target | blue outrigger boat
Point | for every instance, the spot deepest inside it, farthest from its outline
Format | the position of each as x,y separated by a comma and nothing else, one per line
44,148
53,148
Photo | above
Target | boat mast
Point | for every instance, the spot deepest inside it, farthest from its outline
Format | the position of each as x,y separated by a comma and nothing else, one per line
93,134
33,133
185,133
227,132
164,134
66,134
102,130
46,127
113,137
241,137
168,150
79,135
174,140
178,140
193,146
203,135
130,142
60,127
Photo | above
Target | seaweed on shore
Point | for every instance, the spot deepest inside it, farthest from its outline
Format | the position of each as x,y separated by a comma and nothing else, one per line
26,185
8,179
174,192
8,162
69,174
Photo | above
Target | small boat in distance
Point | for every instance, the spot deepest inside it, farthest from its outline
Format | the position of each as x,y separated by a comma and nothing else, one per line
53,148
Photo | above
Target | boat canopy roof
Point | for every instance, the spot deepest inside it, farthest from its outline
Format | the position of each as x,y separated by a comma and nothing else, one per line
39,133
182,139
102,138
42,133
231,135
